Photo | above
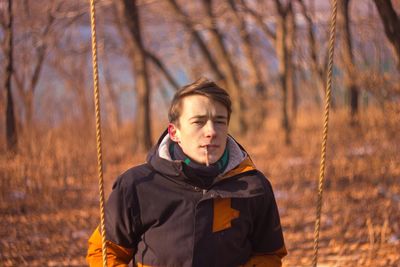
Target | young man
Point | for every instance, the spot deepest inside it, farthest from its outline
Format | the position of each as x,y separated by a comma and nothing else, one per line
197,201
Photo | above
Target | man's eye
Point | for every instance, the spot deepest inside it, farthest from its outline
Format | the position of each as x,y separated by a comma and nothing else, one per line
198,122
220,122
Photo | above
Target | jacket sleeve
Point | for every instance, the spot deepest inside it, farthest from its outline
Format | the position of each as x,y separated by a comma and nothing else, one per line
116,255
267,238
122,224
273,259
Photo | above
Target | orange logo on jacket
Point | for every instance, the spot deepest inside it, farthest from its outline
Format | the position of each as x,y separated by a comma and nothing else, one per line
223,214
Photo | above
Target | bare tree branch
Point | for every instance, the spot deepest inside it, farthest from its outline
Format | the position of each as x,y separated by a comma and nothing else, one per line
196,36
267,31
156,61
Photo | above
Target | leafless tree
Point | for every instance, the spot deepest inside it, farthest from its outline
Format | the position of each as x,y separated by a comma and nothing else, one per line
27,76
11,131
72,68
284,46
349,67
317,69
259,19
391,23
283,39
129,10
253,68
225,62
151,56
291,48
111,93
190,27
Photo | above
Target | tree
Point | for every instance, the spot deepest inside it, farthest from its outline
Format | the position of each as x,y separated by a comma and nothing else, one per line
348,59
130,12
283,39
37,38
11,131
239,124
284,50
254,70
190,27
291,42
220,61
391,23
151,56
317,70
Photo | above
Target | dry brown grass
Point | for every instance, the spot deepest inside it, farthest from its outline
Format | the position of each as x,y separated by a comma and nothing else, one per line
361,211
49,206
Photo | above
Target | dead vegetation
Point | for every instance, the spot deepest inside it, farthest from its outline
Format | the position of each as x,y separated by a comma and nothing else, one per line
270,56
49,202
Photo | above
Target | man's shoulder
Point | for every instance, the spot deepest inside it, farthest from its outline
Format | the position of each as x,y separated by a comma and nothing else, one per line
251,183
135,175
260,175
261,179
138,169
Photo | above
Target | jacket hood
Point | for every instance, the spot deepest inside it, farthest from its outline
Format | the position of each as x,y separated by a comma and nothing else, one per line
160,159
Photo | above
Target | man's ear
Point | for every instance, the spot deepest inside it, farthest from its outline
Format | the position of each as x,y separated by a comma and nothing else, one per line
173,132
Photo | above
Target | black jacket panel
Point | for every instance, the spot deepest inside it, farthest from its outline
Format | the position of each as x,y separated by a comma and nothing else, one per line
169,221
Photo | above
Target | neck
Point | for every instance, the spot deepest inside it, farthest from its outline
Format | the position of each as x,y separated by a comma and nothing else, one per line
196,170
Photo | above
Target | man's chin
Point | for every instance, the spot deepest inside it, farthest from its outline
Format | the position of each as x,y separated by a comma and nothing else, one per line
212,160
203,162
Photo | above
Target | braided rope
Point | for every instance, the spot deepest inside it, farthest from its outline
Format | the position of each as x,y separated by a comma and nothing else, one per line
324,138
98,130
325,132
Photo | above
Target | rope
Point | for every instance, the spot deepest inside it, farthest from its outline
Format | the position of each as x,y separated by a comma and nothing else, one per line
98,130
324,138
325,132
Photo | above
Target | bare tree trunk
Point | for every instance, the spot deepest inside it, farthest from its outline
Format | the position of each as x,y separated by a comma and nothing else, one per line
11,131
238,124
30,92
318,73
143,127
27,90
391,23
283,61
111,102
348,60
151,56
282,69
292,88
28,102
255,73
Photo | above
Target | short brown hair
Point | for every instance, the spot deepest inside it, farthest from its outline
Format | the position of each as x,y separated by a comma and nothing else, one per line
203,87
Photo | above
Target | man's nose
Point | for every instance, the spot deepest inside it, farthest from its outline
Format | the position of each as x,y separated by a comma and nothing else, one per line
210,129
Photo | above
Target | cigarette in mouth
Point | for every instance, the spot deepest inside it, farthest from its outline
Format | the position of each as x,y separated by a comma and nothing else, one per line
206,152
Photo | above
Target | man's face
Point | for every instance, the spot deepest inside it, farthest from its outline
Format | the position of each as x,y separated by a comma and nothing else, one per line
203,124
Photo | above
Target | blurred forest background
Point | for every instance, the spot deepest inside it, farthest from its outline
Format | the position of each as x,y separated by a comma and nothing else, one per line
270,55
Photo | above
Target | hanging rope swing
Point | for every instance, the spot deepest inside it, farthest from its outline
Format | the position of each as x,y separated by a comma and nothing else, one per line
98,130
323,146
325,131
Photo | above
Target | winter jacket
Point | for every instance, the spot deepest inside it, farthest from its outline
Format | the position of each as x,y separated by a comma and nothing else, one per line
158,216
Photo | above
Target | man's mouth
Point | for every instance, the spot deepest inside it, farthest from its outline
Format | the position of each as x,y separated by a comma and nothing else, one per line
209,147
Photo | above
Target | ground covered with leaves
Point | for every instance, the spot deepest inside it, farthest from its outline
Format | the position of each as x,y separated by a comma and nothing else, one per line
49,195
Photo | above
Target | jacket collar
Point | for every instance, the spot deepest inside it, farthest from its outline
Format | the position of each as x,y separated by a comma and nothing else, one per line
160,159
